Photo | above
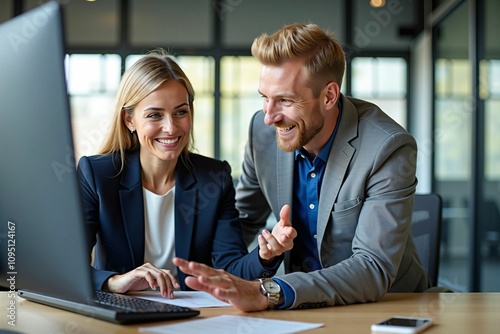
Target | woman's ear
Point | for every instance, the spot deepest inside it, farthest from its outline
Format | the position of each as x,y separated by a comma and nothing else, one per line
127,119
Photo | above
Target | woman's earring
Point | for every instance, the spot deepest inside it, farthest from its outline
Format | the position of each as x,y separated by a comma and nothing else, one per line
132,129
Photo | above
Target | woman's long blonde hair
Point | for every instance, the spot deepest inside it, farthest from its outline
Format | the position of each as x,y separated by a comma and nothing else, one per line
140,80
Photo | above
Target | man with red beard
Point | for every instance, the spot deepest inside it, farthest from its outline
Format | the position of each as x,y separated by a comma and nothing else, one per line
346,169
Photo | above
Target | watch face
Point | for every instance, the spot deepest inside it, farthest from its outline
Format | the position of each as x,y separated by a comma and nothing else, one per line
272,286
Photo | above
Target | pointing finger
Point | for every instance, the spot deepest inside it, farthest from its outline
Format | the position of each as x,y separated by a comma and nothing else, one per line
285,215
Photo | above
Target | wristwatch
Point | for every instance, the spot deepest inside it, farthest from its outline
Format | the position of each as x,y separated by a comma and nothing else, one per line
270,289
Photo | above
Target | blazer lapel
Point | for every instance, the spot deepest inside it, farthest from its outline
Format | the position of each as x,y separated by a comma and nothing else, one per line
338,161
132,206
186,201
284,188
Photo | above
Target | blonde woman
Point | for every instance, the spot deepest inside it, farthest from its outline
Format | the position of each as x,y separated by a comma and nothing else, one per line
148,197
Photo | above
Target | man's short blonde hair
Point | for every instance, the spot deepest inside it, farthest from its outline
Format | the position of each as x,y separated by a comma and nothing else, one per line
323,56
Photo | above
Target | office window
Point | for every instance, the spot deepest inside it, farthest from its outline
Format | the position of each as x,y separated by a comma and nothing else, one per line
382,81
200,70
453,119
92,84
239,101
490,88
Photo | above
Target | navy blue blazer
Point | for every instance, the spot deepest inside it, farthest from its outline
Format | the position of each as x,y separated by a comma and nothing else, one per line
207,226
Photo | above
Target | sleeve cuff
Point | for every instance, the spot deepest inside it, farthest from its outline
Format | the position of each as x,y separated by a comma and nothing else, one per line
288,294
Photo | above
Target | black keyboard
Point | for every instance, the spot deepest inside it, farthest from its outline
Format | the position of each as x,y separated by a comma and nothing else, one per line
134,304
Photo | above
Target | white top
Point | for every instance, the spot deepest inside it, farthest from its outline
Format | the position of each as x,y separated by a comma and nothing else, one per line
159,223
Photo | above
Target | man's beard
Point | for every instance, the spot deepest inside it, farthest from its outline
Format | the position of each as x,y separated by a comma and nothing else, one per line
305,136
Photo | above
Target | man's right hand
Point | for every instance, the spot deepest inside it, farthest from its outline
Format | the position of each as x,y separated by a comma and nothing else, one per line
242,294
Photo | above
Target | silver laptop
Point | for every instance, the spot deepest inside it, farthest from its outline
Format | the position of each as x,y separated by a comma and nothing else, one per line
43,249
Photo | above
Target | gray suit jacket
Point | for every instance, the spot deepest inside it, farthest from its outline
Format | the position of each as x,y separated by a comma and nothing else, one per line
365,207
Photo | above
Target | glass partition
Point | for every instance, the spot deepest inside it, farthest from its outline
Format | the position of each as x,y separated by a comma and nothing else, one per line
467,123
452,144
489,231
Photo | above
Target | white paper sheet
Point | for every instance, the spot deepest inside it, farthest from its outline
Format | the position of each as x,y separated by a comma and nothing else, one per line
230,324
192,299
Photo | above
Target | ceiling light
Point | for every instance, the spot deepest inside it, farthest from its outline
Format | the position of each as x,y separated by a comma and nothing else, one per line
377,3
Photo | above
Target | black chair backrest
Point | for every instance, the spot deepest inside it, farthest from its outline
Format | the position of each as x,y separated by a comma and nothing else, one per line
426,231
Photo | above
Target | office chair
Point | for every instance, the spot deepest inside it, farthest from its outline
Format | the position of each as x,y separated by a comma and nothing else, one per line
426,231
490,227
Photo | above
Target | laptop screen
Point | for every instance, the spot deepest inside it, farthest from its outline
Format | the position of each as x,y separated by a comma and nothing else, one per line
42,236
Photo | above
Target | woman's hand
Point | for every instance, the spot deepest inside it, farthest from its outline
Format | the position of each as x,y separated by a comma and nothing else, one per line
143,277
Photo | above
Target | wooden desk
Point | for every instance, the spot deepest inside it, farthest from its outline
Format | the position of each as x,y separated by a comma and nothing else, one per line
477,313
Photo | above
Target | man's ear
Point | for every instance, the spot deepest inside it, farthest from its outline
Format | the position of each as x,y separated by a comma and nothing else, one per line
332,94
